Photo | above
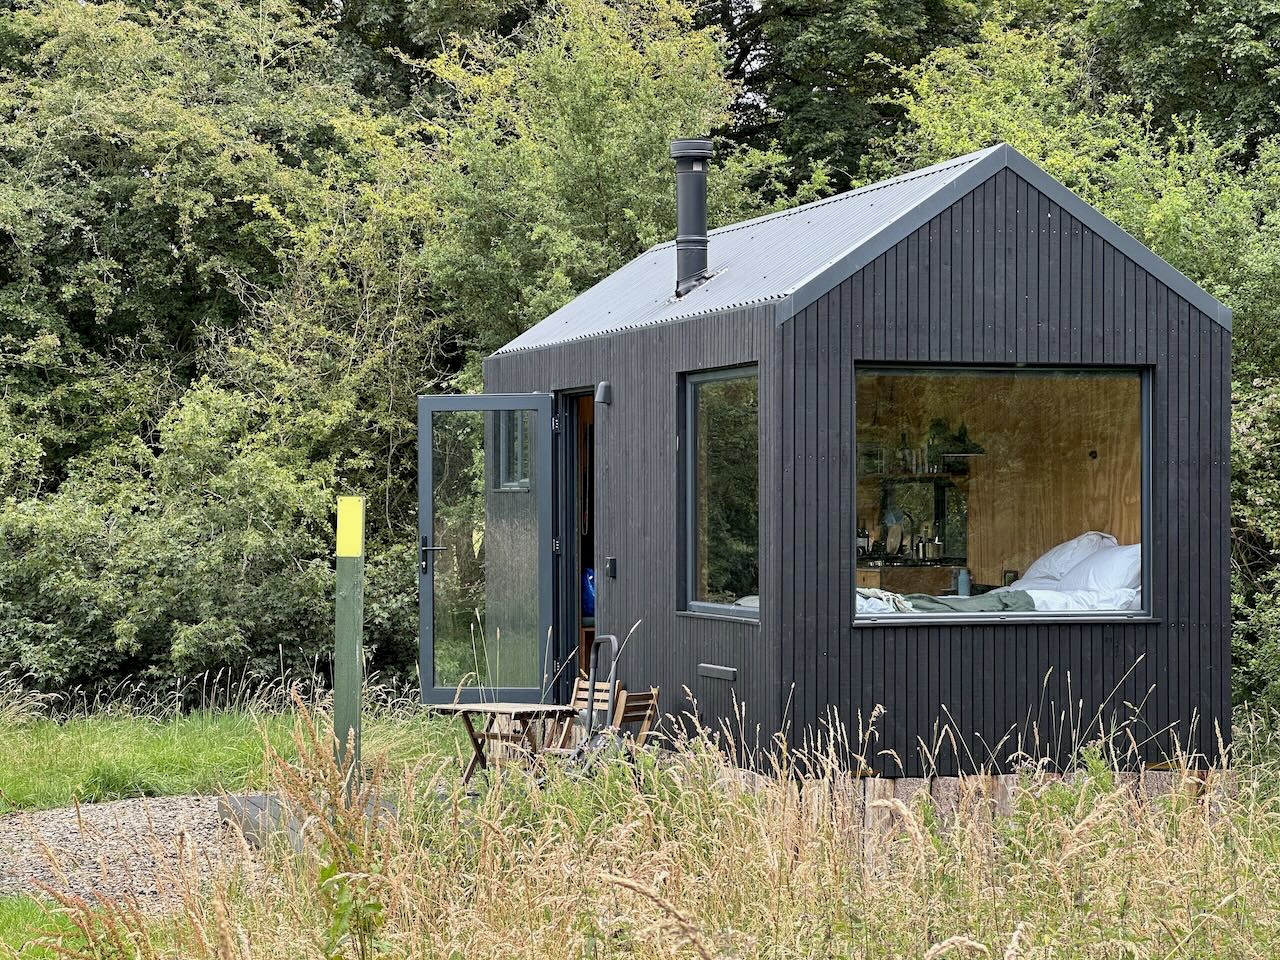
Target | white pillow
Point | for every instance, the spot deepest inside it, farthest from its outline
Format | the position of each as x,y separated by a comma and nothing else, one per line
1054,564
1111,568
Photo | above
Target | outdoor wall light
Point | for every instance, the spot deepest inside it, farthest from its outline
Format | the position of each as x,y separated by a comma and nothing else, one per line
604,392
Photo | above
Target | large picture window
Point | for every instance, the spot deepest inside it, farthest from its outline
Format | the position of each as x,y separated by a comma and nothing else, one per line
722,482
999,492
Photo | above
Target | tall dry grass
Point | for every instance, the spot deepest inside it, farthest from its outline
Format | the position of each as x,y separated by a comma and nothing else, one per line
681,855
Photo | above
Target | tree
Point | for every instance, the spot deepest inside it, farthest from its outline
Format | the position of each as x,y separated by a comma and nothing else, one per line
1255,548
553,157
818,76
139,149
217,314
1218,61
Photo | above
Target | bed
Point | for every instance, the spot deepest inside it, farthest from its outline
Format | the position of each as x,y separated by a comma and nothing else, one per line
1090,573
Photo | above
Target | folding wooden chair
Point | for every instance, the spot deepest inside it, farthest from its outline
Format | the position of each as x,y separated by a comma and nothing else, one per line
586,696
640,707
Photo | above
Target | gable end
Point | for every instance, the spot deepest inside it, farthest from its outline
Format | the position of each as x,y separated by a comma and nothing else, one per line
1005,157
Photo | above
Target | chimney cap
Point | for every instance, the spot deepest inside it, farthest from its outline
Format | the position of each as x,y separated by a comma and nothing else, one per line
699,148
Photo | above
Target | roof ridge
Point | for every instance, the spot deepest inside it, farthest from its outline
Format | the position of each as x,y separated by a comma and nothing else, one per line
962,161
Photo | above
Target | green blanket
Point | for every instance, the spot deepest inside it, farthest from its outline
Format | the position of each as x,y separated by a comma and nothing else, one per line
1005,602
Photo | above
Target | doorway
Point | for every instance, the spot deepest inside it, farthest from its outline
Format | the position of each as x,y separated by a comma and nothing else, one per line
581,584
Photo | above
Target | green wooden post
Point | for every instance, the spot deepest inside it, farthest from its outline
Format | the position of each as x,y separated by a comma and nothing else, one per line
348,655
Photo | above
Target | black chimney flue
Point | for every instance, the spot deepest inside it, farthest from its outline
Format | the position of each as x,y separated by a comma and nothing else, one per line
691,156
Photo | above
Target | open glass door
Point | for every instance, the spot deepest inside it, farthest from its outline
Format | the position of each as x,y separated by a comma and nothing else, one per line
485,547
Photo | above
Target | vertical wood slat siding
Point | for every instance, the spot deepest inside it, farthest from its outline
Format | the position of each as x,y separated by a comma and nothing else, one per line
1003,276
638,517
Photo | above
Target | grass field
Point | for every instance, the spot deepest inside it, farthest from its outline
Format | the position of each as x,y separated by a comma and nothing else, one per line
23,920
48,763
659,859
143,748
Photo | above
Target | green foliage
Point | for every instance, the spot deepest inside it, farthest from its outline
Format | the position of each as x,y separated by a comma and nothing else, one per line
819,74
200,552
554,168
136,143
352,910
1218,60
214,271
1255,527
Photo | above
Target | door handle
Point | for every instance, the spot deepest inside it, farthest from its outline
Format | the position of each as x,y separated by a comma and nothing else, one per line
425,549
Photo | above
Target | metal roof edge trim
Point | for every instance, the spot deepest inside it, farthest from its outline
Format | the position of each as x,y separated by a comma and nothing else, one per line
825,278
1002,156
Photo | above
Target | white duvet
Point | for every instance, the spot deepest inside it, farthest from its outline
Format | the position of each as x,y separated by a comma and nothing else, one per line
1085,600
1046,601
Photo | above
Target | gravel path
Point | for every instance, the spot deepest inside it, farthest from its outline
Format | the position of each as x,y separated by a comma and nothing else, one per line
126,848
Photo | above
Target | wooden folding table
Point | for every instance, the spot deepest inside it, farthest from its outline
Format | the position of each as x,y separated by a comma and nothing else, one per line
524,719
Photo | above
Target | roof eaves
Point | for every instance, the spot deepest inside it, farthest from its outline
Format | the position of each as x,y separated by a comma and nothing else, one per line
755,302
826,277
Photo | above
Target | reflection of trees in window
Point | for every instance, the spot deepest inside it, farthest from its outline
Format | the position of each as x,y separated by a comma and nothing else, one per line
458,441
726,503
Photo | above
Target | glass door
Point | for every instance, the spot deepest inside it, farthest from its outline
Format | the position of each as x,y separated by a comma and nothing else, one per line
485,551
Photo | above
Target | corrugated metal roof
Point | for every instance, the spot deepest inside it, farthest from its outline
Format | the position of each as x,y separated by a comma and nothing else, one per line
794,256
749,262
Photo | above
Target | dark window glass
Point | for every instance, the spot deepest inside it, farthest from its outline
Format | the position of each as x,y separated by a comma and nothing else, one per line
724,429
1007,492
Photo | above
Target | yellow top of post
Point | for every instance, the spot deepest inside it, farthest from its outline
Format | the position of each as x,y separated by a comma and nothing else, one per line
351,526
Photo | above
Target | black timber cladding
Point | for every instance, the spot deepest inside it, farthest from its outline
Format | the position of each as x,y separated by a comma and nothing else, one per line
637,513
1006,276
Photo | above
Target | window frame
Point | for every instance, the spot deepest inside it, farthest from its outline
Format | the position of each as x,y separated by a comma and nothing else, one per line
688,485
1146,614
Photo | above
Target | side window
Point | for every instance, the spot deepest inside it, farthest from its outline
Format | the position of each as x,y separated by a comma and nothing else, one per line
722,490
515,435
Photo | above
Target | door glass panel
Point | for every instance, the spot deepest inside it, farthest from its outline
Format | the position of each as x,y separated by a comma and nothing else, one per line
486,566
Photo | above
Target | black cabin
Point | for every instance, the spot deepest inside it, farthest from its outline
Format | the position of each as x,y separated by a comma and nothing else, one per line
950,450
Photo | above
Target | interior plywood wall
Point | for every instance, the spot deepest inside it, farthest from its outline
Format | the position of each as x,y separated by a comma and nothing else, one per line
1063,455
